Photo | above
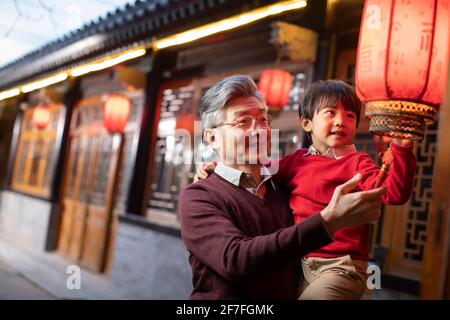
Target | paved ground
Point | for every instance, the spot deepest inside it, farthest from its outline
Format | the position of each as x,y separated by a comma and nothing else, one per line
13,286
28,275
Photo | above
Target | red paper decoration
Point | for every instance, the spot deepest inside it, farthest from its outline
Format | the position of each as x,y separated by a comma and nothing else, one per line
41,117
402,64
275,85
116,112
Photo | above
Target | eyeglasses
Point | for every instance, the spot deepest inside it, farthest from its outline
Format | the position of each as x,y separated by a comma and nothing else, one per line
246,122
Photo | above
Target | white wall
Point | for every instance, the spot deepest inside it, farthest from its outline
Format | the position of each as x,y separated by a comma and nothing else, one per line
24,220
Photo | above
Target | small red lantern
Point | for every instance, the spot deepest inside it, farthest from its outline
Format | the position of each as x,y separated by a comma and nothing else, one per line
402,64
116,112
41,117
186,122
275,85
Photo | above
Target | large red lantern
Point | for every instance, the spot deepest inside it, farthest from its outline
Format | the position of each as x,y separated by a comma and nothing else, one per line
402,64
41,117
116,112
275,85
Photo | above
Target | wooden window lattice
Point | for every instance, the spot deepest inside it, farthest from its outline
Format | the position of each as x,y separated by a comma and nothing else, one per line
34,161
417,216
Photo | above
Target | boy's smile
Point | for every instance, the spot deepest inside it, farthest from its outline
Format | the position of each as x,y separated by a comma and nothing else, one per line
331,127
339,133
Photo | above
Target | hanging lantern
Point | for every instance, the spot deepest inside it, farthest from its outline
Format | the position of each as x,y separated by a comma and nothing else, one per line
186,121
402,64
116,112
41,117
275,85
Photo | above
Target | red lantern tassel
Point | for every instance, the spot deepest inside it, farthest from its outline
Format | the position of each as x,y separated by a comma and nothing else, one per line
387,161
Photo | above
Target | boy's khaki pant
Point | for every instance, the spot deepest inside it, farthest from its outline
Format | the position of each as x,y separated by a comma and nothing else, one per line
333,279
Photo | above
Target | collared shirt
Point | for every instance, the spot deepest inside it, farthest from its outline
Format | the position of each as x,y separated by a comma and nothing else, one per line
336,153
242,179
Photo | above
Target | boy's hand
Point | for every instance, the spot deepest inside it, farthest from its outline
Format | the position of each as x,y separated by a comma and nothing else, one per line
404,143
205,170
351,209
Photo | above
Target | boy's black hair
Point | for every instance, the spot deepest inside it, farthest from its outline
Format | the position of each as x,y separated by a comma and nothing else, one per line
329,93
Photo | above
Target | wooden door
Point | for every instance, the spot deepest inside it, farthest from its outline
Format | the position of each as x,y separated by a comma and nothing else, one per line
100,203
90,183
74,207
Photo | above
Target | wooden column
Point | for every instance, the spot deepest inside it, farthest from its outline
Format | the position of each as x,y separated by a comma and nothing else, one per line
436,267
136,198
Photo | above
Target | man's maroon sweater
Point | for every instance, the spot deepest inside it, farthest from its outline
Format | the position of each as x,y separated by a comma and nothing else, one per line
242,246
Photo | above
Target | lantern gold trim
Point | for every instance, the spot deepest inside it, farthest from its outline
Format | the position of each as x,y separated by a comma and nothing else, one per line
399,119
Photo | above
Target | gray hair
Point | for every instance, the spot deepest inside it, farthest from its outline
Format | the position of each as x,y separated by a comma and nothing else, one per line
213,102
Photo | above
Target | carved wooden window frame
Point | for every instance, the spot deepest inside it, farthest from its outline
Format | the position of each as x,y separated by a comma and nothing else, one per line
29,138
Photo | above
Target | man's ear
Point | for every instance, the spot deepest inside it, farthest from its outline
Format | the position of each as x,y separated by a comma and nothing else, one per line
209,137
306,124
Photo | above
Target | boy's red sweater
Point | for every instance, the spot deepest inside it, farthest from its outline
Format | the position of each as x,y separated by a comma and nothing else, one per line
313,178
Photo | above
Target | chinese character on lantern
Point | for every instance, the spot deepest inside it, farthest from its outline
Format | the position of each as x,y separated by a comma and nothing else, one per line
116,112
402,64
275,85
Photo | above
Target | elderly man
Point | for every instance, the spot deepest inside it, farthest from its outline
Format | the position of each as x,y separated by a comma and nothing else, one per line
237,224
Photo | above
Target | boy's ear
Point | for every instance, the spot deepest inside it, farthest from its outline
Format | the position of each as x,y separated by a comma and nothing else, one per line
306,124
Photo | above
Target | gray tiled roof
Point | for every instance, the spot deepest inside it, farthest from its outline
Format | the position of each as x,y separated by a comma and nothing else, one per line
133,25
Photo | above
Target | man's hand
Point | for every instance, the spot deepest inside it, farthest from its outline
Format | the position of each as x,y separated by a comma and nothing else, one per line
351,209
205,170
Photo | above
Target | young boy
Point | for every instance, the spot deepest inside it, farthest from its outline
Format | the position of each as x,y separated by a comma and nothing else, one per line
329,113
